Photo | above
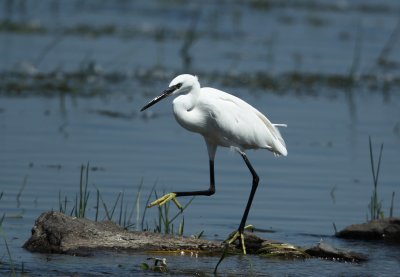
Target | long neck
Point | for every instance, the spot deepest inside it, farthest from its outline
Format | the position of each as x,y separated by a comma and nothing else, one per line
188,101
184,107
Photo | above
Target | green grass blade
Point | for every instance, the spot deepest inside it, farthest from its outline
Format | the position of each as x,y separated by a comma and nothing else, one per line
181,227
80,205
10,259
60,203
375,206
2,219
99,197
147,203
371,157
379,164
391,206
85,195
65,204
137,206
76,205
24,182
97,204
121,208
183,209
115,204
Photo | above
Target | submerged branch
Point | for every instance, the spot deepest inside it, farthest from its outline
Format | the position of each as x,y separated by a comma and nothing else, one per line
55,232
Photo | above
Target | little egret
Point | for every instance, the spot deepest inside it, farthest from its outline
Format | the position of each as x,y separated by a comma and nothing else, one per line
223,120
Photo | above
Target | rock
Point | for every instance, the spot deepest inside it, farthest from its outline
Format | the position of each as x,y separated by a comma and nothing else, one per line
326,251
387,229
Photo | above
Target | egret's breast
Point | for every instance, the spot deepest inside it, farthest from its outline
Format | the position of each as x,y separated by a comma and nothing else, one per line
188,115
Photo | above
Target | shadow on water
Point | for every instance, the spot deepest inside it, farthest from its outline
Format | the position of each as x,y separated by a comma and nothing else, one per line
75,74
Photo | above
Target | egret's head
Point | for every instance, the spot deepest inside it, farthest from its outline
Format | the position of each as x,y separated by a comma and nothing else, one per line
184,82
179,85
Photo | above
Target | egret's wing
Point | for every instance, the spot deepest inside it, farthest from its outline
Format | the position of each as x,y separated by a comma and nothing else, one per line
235,122
274,131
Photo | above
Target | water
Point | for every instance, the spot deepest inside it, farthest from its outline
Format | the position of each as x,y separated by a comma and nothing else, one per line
45,135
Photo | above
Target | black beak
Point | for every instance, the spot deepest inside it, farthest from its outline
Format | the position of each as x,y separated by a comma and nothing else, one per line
165,94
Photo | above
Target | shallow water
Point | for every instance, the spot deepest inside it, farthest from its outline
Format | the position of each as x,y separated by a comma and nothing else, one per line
325,179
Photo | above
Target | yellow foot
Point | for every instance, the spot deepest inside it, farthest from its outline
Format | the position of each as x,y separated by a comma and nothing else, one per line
249,227
234,237
164,199
238,234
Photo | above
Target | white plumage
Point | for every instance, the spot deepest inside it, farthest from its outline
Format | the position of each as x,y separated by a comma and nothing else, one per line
223,120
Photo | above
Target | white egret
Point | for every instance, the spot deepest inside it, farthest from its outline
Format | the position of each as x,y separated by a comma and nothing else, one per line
223,120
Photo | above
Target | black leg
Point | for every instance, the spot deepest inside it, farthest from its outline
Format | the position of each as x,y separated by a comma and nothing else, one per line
208,192
253,191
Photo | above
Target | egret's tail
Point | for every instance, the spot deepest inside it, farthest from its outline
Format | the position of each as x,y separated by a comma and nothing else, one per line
275,142
280,145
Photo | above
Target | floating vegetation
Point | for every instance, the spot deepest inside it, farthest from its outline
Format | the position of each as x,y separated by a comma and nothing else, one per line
114,114
160,265
316,21
312,5
82,83
21,27
158,33
86,82
93,31
198,26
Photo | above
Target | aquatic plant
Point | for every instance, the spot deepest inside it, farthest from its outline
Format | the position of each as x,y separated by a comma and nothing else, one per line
2,219
81,204
9,26
109,212
81,199
391,205
24,182
164,223
11,267
160,265
4,214
11,261
375,206
128,216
